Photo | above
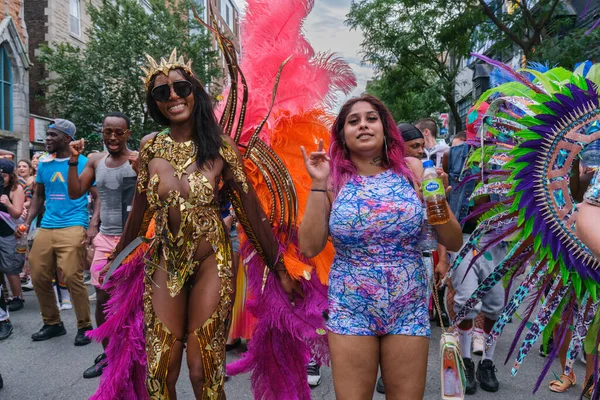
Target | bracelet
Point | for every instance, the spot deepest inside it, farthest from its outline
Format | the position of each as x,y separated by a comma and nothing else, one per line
73,164
318,190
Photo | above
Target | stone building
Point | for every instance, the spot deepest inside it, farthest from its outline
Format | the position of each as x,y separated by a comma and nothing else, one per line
14,79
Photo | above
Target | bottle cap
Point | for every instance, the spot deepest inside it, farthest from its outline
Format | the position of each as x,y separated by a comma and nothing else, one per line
428,164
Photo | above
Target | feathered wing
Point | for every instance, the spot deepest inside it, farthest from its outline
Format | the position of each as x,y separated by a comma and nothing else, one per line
281,95
534,128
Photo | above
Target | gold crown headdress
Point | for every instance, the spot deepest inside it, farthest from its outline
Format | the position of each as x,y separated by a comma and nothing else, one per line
165,66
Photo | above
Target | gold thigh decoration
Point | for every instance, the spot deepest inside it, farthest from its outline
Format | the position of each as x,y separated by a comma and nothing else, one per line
159,343
211,338
212,335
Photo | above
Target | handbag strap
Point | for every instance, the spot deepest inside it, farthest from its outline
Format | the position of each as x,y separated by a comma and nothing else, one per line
436,301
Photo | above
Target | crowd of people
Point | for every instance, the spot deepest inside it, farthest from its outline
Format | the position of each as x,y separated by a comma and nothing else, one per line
365,197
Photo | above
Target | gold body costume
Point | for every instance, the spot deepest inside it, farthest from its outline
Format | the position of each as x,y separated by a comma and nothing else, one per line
175,252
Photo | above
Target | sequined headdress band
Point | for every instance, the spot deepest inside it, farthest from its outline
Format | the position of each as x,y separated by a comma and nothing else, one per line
165,66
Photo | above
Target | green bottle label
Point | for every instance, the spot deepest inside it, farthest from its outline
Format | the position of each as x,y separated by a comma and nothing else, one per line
433,187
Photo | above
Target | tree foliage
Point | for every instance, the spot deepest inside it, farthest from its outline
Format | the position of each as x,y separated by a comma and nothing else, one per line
421,42
407,98
568,49
520,22
87,83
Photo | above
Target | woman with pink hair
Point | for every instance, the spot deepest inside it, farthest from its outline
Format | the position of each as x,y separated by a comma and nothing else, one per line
365,196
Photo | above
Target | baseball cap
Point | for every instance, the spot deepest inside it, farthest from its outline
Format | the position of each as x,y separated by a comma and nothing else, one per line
6,166
63,126
409,132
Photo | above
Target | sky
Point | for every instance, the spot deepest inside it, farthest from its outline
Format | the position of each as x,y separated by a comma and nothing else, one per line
325,30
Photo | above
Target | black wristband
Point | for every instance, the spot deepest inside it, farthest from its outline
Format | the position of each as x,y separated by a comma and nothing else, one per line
73,164
318,190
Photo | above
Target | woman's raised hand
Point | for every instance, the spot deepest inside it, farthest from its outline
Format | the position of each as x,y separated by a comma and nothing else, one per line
317,163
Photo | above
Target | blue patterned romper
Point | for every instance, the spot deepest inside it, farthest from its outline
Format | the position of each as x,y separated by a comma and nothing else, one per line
378,283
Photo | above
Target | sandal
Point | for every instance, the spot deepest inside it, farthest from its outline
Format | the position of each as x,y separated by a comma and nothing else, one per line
588,389
562,384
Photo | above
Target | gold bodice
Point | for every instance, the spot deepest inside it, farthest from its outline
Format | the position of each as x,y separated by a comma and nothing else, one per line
200,217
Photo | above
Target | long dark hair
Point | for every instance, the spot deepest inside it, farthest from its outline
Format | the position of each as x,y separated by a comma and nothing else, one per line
13,181
207,132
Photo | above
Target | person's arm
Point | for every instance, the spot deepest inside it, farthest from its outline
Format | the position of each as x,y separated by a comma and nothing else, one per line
450,233
135,221
314,229
441,268
37,203
588,216
251,215
80,184
587,227
14,202
92,230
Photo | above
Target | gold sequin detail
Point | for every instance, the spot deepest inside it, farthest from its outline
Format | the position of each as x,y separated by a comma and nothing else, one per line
159,343
200,220
234,163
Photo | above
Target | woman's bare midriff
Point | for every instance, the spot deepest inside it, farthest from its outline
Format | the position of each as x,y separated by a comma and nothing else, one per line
169,182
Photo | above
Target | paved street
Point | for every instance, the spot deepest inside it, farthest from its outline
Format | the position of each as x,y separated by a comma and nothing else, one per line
52,370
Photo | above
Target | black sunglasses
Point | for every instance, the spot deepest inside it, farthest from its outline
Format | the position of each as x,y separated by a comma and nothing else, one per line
163,92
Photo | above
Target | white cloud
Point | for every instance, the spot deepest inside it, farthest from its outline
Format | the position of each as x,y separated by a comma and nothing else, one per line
325,30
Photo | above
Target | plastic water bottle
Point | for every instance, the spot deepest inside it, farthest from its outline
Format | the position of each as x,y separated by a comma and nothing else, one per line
22,241
434,195
428,240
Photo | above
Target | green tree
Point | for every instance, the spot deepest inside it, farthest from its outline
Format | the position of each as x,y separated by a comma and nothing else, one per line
408,99
528,25
570,48
105,76
422,41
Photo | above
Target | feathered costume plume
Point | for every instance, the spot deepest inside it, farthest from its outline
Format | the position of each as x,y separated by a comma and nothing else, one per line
285,335
534,128
276,102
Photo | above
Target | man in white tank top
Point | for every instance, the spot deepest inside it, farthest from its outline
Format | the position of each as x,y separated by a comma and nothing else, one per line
114,172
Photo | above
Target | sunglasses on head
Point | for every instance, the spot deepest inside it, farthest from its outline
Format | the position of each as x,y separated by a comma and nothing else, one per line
162,93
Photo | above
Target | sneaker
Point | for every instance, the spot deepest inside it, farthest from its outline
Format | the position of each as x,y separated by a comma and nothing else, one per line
66,305
486,375
445,319
49,331
471,384
27,286
81,339
380,388
87,278
478,344
92,297
96,370
314,374
16,304
6,329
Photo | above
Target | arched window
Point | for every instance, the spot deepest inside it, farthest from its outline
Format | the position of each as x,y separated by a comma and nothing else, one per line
6,92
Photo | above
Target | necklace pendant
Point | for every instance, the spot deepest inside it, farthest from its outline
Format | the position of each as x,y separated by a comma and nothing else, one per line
179,172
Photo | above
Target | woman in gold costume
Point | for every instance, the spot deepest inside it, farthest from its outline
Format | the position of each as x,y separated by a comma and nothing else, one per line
188,274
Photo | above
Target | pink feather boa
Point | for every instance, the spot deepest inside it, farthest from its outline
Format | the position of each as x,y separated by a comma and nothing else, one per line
124,376
285,336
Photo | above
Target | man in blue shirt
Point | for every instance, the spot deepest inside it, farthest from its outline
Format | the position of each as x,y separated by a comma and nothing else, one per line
61,239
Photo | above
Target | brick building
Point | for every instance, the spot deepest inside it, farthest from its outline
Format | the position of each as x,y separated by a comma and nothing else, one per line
58,21
228,21
14,79
49,22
